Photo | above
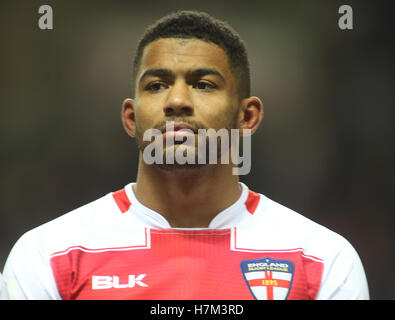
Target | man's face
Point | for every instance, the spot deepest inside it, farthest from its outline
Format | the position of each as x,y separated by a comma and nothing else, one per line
185,81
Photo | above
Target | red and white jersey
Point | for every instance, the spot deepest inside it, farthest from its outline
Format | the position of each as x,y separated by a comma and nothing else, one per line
116,248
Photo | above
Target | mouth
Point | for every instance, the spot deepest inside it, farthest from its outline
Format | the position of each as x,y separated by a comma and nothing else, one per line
178,127
178,132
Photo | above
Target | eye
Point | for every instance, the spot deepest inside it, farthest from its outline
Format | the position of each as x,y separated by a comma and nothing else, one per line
156,86
202,85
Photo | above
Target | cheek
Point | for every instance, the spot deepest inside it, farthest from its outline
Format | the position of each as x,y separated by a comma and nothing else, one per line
222,114
144,116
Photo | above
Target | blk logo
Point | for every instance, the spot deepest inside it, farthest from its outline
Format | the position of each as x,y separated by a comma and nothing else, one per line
109,282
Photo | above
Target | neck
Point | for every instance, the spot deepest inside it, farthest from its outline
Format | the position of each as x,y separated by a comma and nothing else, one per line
187,198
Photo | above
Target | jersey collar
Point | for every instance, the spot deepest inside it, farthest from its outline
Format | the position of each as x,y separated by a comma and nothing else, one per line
224,219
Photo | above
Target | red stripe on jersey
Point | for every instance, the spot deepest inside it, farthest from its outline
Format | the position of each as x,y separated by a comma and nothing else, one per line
252,201
260,250
145,245
122,200
178,264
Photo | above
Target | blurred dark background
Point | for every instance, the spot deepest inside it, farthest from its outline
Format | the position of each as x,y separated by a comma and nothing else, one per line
325,148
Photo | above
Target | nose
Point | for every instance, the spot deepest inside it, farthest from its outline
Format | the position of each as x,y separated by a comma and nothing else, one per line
179,102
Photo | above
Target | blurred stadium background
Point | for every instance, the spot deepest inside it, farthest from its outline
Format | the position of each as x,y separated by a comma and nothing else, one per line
325,148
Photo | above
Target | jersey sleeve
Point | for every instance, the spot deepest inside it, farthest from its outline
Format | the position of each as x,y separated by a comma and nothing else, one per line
27,272
344,278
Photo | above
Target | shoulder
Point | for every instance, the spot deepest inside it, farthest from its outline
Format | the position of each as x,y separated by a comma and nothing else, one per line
279,229
286,228
70,228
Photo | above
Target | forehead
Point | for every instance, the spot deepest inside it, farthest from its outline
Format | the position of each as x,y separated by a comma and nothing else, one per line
180,54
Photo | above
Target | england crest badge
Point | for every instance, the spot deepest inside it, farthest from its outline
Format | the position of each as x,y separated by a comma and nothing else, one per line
268,279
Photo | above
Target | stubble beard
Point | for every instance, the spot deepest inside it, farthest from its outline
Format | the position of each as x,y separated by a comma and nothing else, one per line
141,144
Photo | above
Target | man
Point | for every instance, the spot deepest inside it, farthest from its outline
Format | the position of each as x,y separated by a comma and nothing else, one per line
185,231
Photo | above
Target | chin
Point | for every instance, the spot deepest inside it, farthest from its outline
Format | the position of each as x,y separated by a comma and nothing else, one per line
180,167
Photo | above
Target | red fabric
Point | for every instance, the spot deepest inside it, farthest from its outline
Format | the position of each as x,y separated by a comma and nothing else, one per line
252,201
122,200
175,264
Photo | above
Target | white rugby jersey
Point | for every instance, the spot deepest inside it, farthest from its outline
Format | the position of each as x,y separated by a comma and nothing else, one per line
116,248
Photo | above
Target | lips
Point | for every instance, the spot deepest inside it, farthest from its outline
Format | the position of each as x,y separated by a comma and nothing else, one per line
178,132
178,127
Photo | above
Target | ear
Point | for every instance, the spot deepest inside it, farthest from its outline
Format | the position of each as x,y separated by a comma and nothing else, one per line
250,114
128,117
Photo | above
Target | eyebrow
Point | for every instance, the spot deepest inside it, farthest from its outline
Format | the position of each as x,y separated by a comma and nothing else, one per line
160,73
167,73
201,72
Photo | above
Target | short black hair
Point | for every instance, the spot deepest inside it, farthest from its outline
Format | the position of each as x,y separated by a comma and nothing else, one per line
200,25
